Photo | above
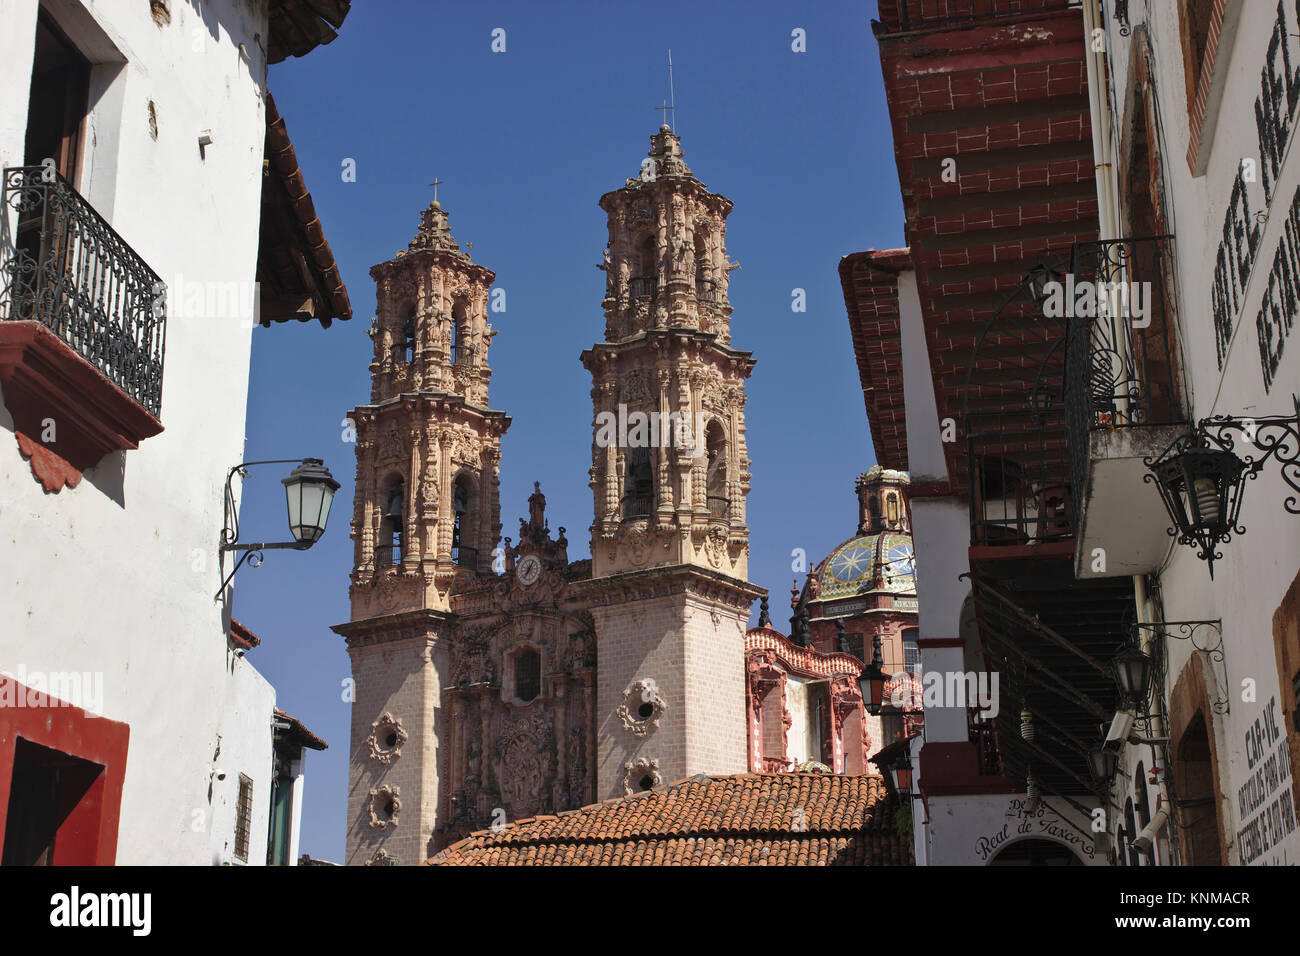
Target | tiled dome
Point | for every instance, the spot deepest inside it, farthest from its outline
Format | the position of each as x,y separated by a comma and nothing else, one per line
851,568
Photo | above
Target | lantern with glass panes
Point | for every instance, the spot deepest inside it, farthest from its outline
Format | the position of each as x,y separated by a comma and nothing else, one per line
1201,478
309,493
872,680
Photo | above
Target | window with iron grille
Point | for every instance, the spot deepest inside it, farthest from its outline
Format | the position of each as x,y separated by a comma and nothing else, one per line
243,818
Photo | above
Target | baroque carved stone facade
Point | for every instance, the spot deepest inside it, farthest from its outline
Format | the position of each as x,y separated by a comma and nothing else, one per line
497,679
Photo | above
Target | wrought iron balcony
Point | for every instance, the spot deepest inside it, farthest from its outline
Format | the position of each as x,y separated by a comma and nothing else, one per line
719,506
66,268
1123,397
465,556
387,555
707,290
643,287
462,355
1120,365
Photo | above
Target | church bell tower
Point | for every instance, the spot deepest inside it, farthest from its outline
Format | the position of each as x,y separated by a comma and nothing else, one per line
426,519
669,479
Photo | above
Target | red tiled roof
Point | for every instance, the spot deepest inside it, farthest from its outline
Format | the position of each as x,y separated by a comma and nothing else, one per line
870,283
299,26
300,279
299,734
242,636
785,819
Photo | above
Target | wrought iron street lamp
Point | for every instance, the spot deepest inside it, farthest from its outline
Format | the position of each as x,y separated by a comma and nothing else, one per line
1132,669
309,493
1201,478
901,773
872,679
1103,764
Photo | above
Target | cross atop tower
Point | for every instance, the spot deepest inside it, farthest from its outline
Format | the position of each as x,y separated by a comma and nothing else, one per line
671,103
435,184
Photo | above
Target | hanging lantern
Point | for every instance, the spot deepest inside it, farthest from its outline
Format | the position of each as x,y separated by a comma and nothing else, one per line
1132,670
1102,763
872,680
1200,478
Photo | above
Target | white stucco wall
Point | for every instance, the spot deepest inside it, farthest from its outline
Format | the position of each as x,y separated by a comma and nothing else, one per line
1256,568
246,747
973,830
925,460
117,576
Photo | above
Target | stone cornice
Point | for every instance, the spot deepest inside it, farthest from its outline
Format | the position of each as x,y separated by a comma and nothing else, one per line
705,341
630,586
404,625
439,257
433,395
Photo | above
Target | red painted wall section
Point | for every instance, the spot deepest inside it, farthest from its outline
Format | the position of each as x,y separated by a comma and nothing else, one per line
88,835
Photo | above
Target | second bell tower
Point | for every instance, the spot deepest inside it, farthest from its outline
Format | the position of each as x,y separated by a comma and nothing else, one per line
669,478
426,518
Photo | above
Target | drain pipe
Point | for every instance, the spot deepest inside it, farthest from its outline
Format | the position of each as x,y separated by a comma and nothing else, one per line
1098,109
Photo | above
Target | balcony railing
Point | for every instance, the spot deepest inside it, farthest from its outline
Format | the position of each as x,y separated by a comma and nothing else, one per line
638,505
66,268
707,290
643,287
465,556
719,507
1121,362
462,355
387,555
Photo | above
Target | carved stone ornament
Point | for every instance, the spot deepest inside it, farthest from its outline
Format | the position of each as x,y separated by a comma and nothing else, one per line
639,541
525,767
385,804
386,738
715,546
382,858
641,708
636,770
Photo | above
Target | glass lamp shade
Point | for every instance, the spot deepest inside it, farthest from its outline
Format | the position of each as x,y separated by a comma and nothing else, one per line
871,682
902,773
1200,489
1103,764
309,492
1132,672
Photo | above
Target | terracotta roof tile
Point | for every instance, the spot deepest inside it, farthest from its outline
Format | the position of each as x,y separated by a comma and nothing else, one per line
742,820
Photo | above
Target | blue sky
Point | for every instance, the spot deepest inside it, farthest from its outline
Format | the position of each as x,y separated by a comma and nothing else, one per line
526,141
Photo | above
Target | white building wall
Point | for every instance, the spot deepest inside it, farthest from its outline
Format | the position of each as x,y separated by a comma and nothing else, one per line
117,576
246,748
925,459
1259,566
